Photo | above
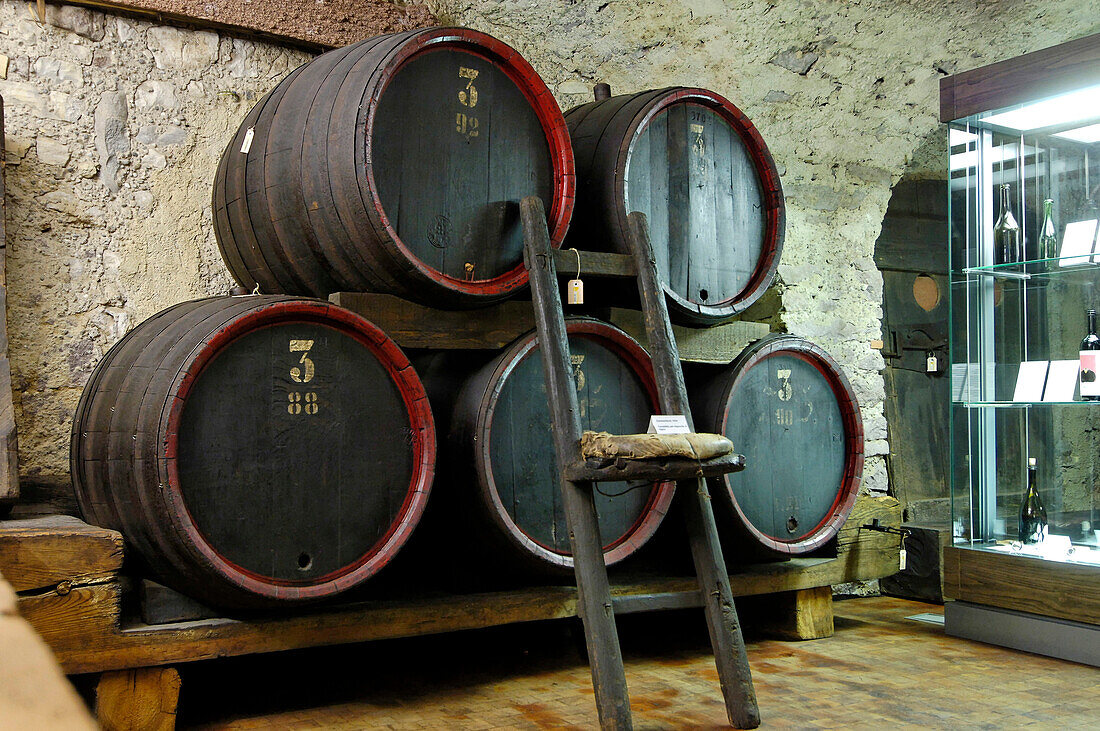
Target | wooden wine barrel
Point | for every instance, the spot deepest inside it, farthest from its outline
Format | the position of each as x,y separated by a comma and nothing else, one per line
395,165
500,436
257,450
787,406
699,170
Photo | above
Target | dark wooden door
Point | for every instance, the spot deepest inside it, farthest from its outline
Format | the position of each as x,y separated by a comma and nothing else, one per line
911,253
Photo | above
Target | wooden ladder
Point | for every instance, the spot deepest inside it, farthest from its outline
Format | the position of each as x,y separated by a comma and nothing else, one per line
577,476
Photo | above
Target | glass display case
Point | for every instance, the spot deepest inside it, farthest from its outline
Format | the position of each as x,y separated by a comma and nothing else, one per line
1024,212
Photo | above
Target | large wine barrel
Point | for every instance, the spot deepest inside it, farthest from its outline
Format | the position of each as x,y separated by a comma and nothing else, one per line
787,406
700,171
257,450
397,165
500,445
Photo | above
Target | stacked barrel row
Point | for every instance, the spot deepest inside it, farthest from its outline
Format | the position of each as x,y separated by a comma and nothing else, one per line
270,449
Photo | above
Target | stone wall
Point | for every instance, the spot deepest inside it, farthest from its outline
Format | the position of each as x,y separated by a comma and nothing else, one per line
116,126
846,94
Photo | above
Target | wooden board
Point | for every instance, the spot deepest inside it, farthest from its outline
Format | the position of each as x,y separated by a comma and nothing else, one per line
41,553
34,693
415,326
1036,75
718,344
1022,583
85,630
9,444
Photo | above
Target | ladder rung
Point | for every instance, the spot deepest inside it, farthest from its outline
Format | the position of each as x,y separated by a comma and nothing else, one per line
594,264
603,470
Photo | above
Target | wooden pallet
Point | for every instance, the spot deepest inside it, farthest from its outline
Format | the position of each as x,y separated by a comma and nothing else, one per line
69,586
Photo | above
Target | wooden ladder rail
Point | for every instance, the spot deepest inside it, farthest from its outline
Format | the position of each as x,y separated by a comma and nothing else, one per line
593,589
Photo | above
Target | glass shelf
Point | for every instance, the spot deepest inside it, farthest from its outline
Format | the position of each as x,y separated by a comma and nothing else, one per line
1033,268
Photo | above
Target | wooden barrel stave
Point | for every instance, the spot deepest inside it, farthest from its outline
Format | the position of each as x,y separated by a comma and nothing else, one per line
247,245
126,464
718,263
787,405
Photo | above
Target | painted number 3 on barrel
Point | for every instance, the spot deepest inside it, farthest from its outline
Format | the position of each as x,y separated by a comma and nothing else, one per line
467,124
784,417
303,372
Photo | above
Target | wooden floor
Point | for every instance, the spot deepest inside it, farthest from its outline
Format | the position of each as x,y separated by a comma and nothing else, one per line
879,670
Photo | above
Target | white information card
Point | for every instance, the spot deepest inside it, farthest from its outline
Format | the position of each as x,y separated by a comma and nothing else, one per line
1030,380
1077,243
668,424
1061,380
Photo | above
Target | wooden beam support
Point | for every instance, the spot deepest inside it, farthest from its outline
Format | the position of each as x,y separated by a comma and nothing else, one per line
730,658
141,699
416,326
593,589
43,553
83,627
803,614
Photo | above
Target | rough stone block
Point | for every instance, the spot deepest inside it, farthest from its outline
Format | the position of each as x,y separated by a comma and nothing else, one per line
155,95
51,152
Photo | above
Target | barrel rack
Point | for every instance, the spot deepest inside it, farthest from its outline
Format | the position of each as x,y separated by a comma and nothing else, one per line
70,586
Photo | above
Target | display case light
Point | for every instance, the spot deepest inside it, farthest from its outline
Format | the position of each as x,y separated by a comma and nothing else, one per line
1076,106
1088,134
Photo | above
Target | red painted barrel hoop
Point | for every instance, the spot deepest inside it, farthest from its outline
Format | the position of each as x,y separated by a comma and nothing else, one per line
770,187
853,428
534,89
623,345
413,395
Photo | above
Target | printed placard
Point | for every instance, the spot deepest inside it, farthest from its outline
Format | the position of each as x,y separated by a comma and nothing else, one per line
1030,380
1077,243
1061,380
668,424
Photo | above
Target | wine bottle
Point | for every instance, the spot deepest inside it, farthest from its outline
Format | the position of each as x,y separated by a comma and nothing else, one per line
1090,345
1048,235
1033,516
1007,244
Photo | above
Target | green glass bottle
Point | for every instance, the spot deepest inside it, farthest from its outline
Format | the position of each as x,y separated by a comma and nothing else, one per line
1033,516
1007,242
1048,234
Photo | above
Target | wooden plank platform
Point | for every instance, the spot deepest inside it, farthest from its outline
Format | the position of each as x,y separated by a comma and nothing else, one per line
84,625
416,326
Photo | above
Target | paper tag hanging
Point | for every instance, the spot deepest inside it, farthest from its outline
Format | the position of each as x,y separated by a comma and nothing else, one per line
575,294
575,289
902,561
247,144
931,364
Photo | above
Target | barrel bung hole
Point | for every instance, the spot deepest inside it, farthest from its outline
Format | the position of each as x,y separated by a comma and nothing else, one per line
305,562
792,524
703,294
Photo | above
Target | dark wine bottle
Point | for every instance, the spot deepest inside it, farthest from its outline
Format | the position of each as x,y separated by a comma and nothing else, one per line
1033,516
1008,245
1090,385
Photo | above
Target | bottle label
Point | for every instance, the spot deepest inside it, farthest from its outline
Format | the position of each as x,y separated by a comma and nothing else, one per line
1090,383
